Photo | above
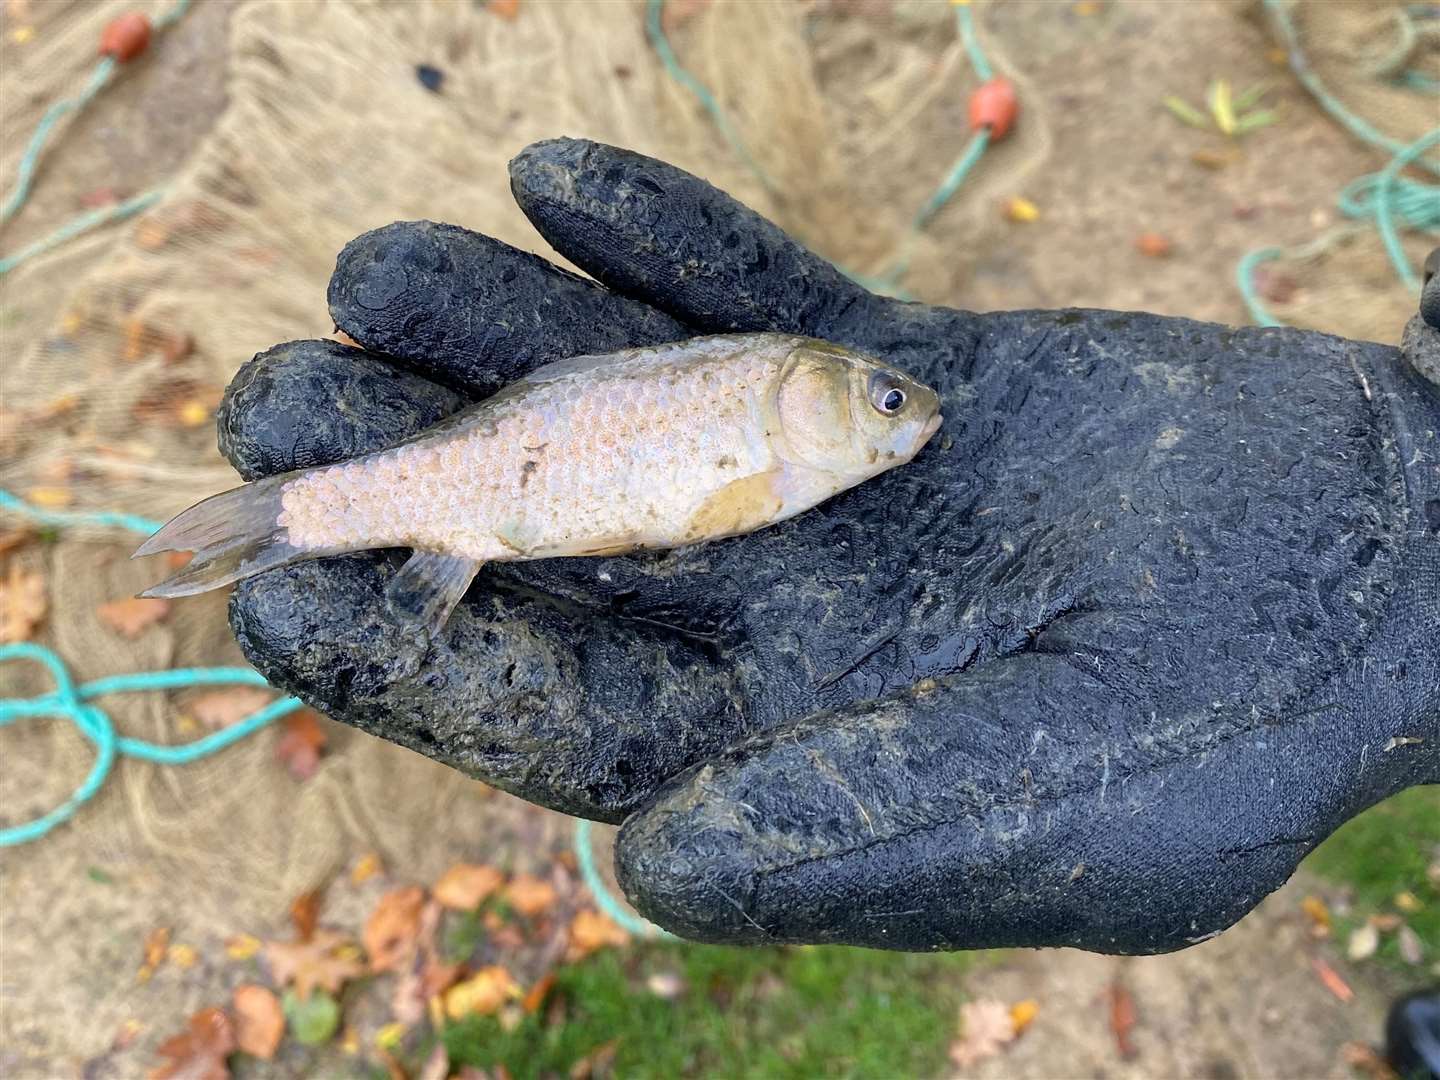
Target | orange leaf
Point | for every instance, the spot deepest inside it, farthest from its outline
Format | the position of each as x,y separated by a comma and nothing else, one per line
465,886
23,602
506,9
259,1021
529,895
365,868
199,1052
1153,245
393,927
300,745
1332,981
1023,1013
131,616
537,994
591,931
1319,914
305,913
327,960
157,943
1122,1019
483,993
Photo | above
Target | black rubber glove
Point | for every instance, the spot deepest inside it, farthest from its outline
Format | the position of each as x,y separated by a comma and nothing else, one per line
1156,611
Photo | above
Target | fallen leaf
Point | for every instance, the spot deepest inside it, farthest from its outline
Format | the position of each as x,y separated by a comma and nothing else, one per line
483,993
1408,902
1086,8
666,985
1153,245
183,957
133,615
1364,940
259,1021
1331,979
1275,285
305,913
242,947
1412,949
127,1034
394,1070
367,867
1215,159
985,1028
465,886
597,1063
1122,1019
1023,1013
1365,1059
300,744
393,927
218,709
506,9
51,498
1387,922
678,12
1319,914
589,931
437,1065
536,995
314,1020
14,539
157,942
529,895
350,1041
199,1052
1022,210
327,960
23,602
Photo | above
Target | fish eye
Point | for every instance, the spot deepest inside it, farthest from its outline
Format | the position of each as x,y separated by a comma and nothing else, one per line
887,397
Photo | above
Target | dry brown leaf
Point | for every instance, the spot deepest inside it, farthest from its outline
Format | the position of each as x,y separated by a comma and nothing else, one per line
985,1028
1365,1059
14,539
483,993
393,928
300,744
437,1065
23,602
465,886
529,895
1387,922
597,1064
1412,949
1319,914
259,1021
1122,1019
218,709
305,913
328,960
133,615
199,1052
590,931
157,943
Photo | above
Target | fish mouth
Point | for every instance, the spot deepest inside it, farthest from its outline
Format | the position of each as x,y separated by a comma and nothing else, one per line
932,426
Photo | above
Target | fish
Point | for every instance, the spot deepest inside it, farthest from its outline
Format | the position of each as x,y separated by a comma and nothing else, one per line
647,448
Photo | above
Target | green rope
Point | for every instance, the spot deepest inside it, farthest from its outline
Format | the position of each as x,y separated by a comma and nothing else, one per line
967,161
100,77
630,923
1382,198
74,702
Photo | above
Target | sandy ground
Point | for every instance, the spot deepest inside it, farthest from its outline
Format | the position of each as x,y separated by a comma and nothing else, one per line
1247,1004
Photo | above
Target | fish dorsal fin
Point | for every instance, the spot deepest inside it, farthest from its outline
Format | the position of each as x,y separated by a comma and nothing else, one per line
428,587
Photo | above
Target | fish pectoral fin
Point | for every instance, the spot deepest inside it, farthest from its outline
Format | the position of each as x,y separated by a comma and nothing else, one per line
740,506
428,587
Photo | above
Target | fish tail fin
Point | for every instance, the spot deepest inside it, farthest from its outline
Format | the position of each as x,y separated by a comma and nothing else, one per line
234,534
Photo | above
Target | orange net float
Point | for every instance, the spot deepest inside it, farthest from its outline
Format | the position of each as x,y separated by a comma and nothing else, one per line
126,37
994,105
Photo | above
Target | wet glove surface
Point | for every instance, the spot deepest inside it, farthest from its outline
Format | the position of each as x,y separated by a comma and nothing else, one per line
1156,611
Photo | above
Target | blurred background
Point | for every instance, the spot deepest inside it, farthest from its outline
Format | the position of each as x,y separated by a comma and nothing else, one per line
293,898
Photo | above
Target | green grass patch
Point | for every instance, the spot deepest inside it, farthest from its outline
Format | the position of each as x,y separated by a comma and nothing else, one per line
773,1013
1380,854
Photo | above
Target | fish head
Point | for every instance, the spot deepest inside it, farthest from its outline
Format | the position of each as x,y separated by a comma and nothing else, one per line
851,415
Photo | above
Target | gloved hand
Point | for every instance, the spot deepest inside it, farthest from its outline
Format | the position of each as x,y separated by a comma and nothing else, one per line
1156,611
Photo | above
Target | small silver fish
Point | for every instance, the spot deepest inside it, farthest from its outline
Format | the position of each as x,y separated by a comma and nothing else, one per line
645,448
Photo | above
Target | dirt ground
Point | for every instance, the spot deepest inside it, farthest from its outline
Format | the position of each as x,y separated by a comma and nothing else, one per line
1114,165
